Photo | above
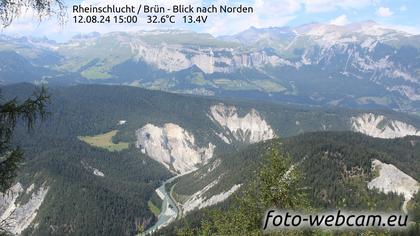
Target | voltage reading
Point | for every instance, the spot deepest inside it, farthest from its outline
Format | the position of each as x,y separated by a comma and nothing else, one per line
194,19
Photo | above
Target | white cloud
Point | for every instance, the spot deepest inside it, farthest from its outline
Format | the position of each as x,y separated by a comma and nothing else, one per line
266,13
404,28
384,12
341,20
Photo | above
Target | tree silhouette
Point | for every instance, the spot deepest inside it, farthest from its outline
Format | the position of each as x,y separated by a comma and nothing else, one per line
12,9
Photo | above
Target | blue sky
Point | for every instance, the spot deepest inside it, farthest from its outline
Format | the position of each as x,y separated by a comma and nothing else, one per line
402,15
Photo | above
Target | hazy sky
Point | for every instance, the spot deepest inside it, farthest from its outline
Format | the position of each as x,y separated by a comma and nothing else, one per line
400,14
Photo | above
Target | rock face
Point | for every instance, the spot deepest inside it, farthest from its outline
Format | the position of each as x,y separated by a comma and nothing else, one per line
19,216
251,128
391,179
173,146
199,201
210,60
380,127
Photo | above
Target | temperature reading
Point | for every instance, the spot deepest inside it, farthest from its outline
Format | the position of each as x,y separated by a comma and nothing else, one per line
195,19
153,14
161,20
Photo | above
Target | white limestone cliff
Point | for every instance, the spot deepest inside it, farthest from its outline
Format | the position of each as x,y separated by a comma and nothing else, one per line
391,179
173,146
380,127
251,128
210,60
19,216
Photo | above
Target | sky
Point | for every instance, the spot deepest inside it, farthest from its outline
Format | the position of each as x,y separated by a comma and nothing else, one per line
398,14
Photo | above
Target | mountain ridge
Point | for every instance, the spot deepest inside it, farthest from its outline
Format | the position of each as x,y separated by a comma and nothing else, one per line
361,65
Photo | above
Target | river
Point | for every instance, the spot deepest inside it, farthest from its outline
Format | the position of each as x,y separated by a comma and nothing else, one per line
169,210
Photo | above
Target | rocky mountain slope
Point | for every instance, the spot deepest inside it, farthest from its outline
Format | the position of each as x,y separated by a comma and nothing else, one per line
251,128
16,215
380,127
393,180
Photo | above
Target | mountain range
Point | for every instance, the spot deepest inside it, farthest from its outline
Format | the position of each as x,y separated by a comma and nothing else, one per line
361,65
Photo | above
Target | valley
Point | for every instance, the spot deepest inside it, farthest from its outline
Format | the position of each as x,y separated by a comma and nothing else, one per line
130,148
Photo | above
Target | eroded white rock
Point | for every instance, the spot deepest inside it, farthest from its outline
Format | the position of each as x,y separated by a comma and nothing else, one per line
173,146
98,173
19,216
95,171
391,179
251,128
213,200
199,201
173,57
380,127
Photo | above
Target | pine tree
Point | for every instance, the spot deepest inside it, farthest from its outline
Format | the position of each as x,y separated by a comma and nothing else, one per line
10,112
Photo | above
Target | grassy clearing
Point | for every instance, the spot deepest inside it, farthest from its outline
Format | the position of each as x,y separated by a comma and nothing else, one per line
154,209
95,73
188,39
269,86
104,141
235,85
377,100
